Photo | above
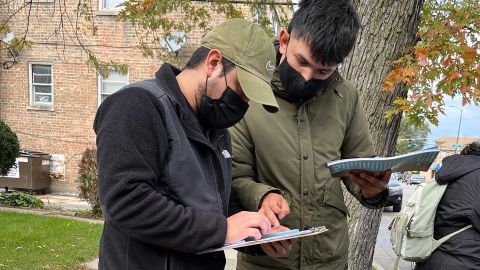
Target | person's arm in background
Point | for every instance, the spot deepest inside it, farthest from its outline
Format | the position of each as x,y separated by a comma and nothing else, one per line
131,151
368,188
473,192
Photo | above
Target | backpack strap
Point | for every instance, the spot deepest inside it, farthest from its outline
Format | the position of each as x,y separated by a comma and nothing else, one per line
397,260
440,241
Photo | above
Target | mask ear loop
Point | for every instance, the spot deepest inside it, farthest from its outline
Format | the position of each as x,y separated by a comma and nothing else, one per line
224,74
206,87
286,48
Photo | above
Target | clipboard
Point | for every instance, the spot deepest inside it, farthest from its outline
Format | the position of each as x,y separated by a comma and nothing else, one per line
266,238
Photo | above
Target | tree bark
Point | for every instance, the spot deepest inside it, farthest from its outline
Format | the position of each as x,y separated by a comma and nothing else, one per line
388,27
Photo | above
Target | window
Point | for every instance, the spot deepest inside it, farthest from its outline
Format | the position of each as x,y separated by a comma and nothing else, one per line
275,22
41,85
111,4
110,85
295,5
272,16
40,1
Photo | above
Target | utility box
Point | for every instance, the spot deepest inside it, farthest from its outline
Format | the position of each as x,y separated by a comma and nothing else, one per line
30,172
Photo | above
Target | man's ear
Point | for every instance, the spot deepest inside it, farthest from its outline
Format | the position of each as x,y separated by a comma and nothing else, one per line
213,62
284,38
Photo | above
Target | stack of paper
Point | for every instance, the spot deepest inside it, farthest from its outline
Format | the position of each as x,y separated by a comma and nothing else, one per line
414,161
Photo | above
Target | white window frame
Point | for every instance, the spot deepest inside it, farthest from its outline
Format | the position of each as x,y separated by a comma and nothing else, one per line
41,1
274,20
102,10
100,86
32,103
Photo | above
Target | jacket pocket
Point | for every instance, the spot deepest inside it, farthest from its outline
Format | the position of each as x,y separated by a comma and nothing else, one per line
331,212
141,255
335,200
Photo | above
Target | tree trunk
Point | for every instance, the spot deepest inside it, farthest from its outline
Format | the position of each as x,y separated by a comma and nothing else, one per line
388,27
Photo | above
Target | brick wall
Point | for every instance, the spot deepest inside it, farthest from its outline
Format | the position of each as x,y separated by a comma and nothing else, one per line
67,129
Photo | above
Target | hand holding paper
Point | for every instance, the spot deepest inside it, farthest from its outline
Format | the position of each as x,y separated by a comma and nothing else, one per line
370,183
279,248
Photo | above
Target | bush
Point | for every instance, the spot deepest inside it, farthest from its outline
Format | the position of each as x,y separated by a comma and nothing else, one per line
88,181
20,199
9,148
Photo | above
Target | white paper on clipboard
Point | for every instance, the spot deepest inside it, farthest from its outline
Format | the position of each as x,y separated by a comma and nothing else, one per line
298,234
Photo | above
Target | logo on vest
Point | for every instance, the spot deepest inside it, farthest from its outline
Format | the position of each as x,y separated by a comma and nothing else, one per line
226,154
270,66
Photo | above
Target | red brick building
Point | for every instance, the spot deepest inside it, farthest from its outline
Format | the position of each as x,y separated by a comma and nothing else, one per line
50,96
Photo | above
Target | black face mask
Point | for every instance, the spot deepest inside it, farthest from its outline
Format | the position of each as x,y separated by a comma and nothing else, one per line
223,112
295,86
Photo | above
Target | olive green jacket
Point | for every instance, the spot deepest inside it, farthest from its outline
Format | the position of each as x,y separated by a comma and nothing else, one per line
287,152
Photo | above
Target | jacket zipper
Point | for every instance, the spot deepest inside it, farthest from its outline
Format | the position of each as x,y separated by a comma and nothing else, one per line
218,187
218,180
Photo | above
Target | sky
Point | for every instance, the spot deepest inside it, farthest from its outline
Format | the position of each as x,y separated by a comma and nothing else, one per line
448,123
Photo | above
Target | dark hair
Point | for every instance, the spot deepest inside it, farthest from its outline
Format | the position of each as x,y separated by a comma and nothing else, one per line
471,149
199,56
329,27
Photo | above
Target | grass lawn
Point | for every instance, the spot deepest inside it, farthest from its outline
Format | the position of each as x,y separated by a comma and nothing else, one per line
29,241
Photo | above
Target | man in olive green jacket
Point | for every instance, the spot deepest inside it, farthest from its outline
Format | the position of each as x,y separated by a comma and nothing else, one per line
279,159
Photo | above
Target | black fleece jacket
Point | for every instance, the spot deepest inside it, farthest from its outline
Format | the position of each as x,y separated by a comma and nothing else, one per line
164,183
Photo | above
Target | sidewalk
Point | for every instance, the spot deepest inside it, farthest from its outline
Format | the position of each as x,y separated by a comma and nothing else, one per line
63,202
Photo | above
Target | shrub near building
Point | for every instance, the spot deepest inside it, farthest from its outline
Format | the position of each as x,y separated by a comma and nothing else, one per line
88,181
9,148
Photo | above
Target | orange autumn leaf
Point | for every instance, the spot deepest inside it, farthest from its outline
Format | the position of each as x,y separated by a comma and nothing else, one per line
470,53
389,85
461,36
421,54
447,60
429,101
147,4
458,27
465,88
416,96
409,71
432,34
454,75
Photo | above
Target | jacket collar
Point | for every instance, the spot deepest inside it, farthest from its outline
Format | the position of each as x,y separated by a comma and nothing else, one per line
166,77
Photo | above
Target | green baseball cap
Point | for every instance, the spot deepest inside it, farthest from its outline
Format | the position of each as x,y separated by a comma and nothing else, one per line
251,50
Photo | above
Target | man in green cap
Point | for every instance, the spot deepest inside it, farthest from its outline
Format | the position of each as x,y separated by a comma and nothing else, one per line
164,155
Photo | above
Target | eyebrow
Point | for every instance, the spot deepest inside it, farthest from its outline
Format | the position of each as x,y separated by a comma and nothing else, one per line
300,58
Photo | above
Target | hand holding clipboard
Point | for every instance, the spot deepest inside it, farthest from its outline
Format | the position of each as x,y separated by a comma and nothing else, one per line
266,238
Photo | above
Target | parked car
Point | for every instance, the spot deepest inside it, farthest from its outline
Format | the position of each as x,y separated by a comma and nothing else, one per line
416,179
395,193
400,176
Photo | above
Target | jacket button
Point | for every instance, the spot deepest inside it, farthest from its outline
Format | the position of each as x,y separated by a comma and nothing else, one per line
299,157
305,192
305,156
